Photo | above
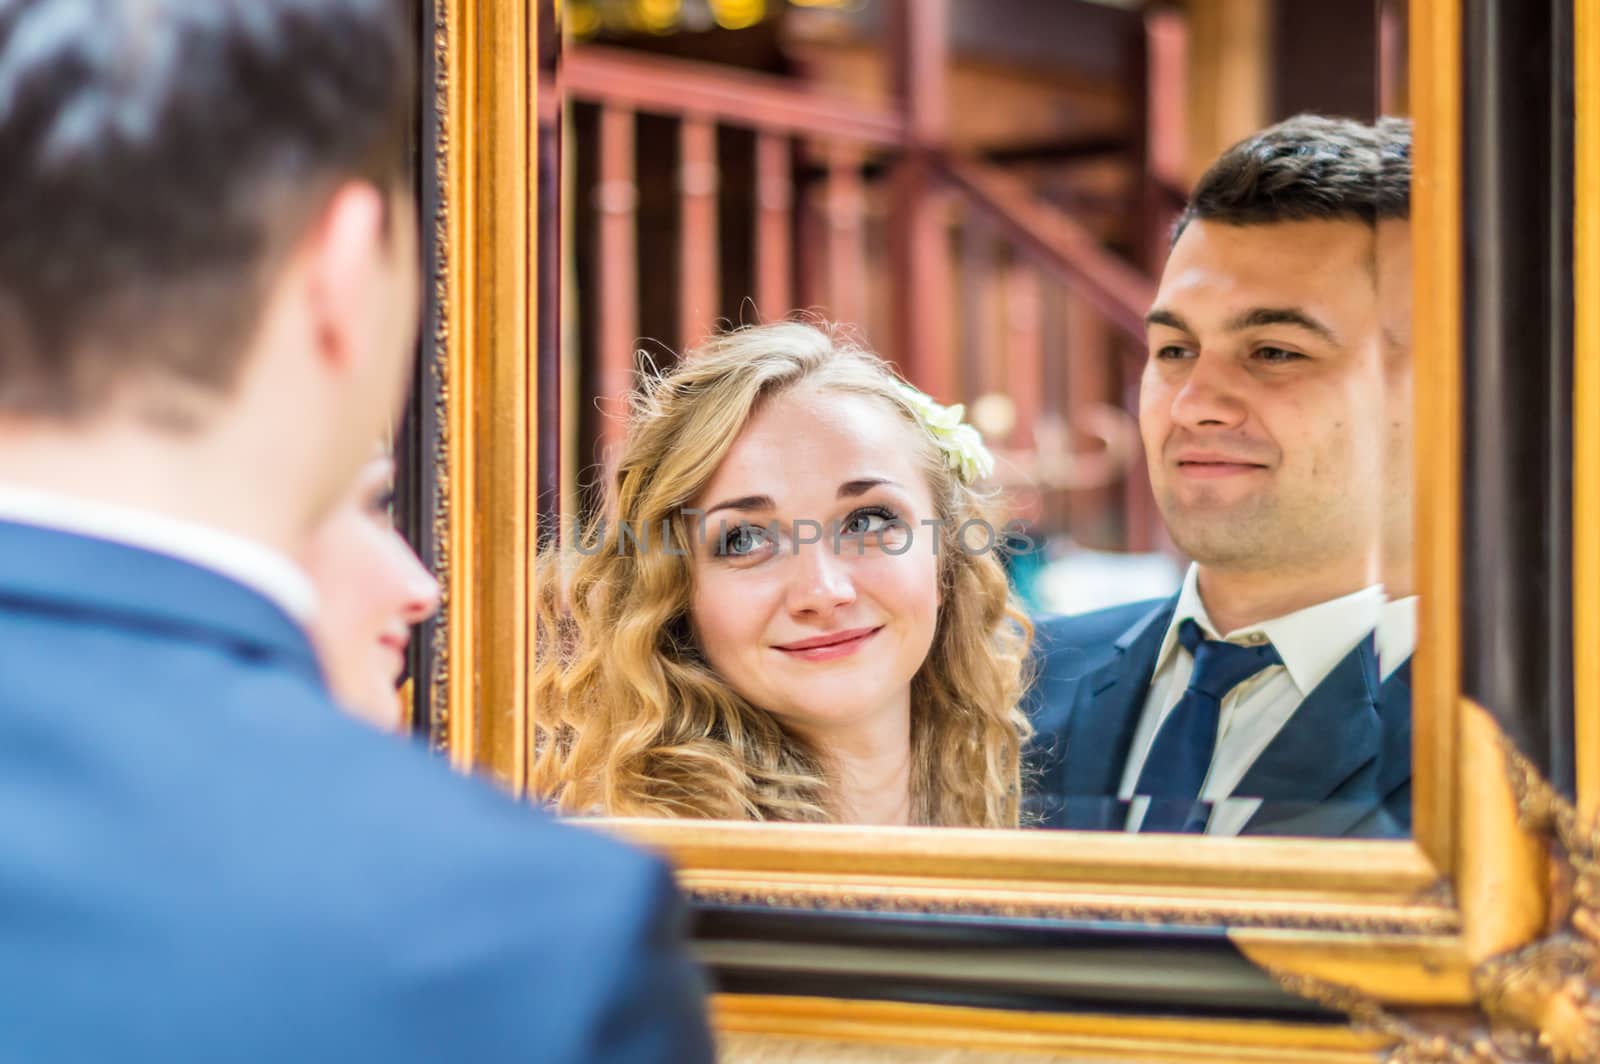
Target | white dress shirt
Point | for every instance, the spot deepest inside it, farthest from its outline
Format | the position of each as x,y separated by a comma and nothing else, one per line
252,564
1311,643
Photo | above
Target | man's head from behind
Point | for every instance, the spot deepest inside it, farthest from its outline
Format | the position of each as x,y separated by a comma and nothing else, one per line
205,223
1263,400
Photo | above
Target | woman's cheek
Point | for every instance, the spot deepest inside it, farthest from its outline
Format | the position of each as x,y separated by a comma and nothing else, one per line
908,582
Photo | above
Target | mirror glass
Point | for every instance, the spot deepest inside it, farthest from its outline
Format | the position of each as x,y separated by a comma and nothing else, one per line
1131,552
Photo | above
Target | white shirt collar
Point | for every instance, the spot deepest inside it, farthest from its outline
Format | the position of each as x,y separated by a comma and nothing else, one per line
1397,634
256,566
1310,641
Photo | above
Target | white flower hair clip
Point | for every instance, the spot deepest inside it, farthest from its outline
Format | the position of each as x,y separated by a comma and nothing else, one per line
963,446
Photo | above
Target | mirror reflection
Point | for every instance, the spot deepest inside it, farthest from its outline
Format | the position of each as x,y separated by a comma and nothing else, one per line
980,421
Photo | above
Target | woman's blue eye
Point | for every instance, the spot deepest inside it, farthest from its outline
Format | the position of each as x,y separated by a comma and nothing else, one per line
742,540
866,521
381,506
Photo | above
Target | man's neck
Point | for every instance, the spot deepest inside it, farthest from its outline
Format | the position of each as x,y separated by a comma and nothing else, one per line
196,480
1399,581
1236,599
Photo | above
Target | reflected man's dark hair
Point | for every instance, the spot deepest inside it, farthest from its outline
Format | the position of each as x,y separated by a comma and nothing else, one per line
1393,200
157,160
1308,168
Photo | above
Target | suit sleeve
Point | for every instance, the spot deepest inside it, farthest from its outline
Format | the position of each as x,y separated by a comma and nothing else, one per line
655,1011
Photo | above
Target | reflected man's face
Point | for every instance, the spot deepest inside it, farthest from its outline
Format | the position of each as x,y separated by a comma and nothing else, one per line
1394,309
1262,405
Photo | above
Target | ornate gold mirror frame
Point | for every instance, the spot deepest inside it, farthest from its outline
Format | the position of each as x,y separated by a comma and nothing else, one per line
1462,945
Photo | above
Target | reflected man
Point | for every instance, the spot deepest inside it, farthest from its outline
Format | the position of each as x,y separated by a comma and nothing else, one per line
1271,694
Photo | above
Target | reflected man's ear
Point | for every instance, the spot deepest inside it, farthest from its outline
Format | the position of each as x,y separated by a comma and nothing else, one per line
343,254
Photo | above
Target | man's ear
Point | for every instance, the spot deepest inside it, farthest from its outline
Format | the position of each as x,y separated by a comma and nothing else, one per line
344,254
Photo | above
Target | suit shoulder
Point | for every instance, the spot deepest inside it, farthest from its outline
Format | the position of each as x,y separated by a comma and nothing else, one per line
1088,631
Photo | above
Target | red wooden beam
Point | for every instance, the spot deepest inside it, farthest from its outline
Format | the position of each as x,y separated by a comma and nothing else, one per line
732,97
697,232
1117,290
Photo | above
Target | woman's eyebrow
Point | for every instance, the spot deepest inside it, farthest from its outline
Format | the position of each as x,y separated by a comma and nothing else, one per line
851,488
744,502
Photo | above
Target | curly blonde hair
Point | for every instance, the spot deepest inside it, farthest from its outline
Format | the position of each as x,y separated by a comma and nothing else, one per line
632,721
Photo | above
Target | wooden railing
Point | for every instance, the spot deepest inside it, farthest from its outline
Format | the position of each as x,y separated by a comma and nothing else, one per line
1072,311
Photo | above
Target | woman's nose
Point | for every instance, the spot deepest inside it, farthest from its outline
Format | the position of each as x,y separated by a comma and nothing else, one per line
421,589
821,580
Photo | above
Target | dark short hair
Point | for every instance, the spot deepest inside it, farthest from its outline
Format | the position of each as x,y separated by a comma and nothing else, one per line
1308,168
157,158
1394,168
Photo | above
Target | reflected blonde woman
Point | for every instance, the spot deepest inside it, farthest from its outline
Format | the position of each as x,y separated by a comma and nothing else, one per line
794,610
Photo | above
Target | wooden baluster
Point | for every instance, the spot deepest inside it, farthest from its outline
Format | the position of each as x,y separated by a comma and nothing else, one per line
976,349
1166,71
1024,369
1393,46
1166,63
1145,532
920,264
1090,380
774,238
1050,426
847,252
617,278
697,234
810,236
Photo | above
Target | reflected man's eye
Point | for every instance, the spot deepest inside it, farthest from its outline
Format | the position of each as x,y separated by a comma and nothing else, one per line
1278,354
1173,352
743,540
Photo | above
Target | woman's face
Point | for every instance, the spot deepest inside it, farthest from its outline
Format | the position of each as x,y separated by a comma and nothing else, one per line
371,589
816,584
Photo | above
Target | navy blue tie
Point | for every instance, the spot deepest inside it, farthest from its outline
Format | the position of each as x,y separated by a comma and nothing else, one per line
1176,767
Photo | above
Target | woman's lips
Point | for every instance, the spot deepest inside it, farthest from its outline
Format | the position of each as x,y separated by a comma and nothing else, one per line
829,647
397,645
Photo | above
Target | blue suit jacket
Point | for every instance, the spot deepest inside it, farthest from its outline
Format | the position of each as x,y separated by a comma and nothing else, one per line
202,859
1341,766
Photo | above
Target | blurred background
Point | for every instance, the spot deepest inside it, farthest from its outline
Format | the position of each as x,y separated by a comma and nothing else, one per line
983,189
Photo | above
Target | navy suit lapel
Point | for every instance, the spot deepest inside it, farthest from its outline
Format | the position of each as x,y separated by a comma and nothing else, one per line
1333,735
1105,714
1394,709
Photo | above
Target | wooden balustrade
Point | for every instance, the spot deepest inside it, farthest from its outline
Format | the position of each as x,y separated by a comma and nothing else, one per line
1028,271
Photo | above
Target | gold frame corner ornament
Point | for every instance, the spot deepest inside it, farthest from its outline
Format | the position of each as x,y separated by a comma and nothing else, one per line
1538,1003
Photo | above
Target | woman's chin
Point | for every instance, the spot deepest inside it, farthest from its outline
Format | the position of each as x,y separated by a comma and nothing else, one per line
818,713
378,706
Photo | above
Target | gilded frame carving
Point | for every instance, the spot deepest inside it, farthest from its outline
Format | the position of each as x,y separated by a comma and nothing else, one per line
1372,929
